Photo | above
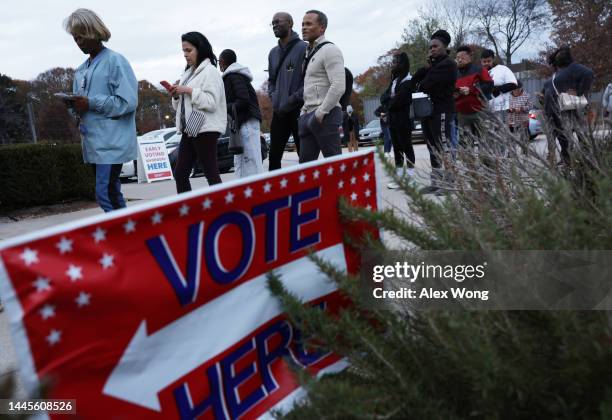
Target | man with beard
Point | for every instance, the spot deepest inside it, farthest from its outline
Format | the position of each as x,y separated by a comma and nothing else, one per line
285,86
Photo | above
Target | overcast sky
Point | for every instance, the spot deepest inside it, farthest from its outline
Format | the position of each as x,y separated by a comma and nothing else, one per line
32,38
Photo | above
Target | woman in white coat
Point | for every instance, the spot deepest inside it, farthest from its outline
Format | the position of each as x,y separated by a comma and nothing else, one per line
201,115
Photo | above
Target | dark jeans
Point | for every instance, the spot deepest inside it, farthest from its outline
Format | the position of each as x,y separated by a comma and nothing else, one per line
108,186
281,128
386,136
320,137
401,136
432,131
563,124
204,148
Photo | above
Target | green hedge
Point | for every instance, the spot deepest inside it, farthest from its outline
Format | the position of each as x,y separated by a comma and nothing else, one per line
36,174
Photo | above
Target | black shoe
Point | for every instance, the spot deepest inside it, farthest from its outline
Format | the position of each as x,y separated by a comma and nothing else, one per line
431,189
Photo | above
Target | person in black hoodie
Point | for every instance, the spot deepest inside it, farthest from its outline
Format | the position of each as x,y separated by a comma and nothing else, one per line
242,100
397,99
437,79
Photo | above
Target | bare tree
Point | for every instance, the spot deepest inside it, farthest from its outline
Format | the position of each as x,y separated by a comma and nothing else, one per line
508,24
452,15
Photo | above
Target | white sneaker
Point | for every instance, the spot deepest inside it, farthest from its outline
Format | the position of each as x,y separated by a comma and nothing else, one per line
401,172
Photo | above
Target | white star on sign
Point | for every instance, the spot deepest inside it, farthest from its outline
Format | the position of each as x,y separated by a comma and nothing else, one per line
156,219
342,167
83,299
283,183
368,193
47,311
229,198
206,204
267,187
316,174
184,210
42,284
130,226
99,235
366,160
64,245
54,337
355,164
248,193
369,207
330,170
302,178
29,256
366,177
74,272
107,261
353,180
341,184
353,197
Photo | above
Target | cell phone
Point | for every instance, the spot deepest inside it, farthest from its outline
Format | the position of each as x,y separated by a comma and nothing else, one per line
166,85
68,97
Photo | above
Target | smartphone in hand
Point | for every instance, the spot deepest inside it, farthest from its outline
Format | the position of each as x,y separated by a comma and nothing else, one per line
166,85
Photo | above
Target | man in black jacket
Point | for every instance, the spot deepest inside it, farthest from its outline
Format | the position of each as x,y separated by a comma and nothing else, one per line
397,99
242,104
437,79
285,86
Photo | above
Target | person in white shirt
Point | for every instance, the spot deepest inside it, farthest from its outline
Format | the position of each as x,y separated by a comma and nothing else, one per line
504,82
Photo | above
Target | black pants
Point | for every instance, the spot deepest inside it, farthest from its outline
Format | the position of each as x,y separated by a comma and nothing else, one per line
281,128
401,137
432,131
564,124
204,148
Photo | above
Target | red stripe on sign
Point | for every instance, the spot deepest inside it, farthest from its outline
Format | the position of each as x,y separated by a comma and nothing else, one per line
160,175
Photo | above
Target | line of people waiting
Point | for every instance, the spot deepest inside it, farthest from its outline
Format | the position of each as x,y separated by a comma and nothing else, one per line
309,93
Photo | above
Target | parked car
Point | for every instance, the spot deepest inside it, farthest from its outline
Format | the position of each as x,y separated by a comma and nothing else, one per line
290,146
225,159
535,125
371,133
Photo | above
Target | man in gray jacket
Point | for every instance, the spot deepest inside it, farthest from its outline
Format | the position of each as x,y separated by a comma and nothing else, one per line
324,85
285,85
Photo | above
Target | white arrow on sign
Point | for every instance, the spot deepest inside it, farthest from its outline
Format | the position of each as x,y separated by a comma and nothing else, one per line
152,362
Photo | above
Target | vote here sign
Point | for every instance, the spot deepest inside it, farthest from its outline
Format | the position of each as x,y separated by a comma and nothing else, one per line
162,310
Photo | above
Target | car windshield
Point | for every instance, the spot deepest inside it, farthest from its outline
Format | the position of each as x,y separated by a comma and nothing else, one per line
373,124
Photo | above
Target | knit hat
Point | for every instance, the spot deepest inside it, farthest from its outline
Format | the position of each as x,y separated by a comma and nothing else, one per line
442,36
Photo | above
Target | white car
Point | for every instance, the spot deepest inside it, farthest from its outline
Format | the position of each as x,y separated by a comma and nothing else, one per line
129,169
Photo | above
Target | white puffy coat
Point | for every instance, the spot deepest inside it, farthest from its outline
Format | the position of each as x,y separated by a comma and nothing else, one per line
208,96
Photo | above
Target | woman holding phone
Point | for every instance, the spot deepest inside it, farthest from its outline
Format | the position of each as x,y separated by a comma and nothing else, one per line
201,116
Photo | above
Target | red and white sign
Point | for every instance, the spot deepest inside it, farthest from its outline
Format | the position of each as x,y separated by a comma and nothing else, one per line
163,311
153,159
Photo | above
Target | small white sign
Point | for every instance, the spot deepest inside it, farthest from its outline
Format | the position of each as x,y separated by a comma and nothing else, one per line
153,159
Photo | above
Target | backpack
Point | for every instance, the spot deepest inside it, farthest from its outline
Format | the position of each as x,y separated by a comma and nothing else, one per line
348,76
345,99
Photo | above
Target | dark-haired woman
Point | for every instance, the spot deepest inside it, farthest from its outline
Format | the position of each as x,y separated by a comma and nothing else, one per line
437,79
397,99
199,101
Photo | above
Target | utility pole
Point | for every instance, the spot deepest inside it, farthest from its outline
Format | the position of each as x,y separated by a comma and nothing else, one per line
30,110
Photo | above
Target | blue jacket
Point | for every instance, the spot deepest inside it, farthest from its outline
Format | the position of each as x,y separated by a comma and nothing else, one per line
108,129
286,88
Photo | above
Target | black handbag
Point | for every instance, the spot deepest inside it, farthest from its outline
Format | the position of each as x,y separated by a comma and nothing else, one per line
235,140
422,107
